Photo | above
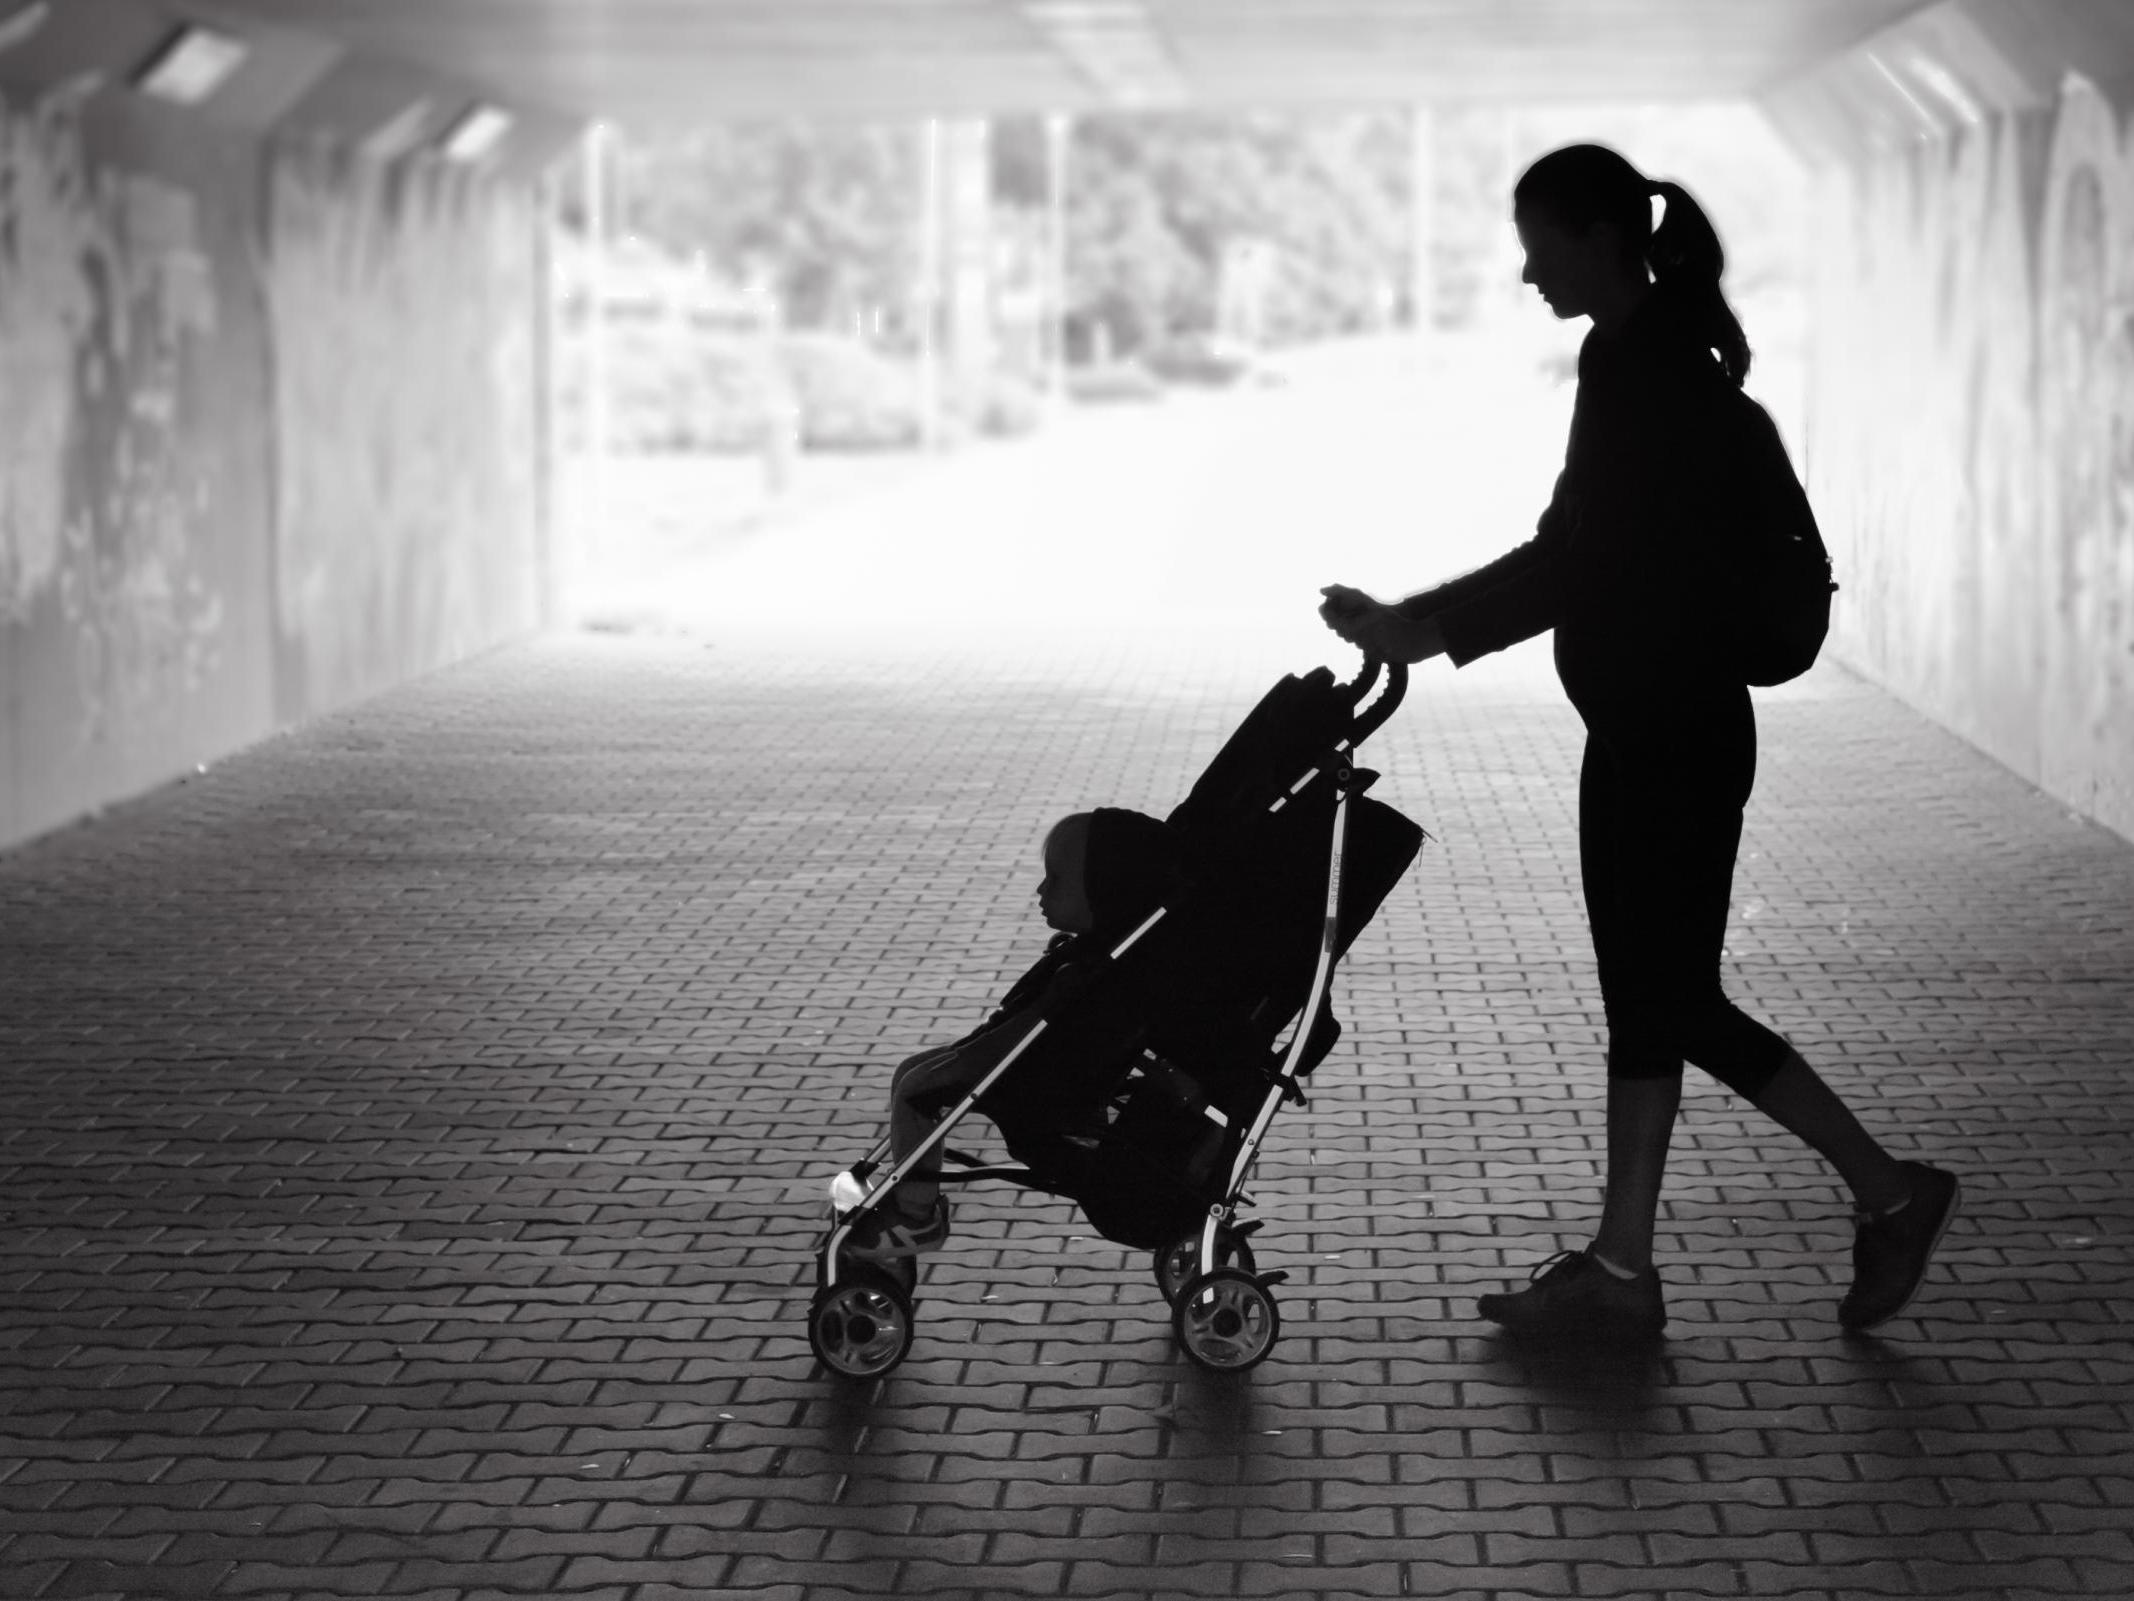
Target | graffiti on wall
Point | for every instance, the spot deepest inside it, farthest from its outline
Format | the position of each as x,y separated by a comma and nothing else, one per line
104,293
2086,406
50,234
252,466
1972,436
401,304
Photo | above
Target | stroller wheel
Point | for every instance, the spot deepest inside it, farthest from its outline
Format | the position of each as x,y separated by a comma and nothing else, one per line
861,1326
1225,1320
1180,1260
903,1269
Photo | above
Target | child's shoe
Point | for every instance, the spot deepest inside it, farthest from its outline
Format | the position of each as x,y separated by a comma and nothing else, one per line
889,1232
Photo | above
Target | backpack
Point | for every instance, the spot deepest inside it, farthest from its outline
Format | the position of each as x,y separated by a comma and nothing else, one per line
1778,607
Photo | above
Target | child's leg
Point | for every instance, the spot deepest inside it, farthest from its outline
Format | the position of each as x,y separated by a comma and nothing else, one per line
925,1079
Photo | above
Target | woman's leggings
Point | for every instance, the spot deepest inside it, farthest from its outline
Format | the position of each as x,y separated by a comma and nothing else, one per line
1659,821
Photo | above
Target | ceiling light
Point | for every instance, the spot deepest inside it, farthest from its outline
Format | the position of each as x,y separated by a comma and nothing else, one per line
19,24
1087,13
1927,124
476,134
1115,46
398,134
191,65
1945,84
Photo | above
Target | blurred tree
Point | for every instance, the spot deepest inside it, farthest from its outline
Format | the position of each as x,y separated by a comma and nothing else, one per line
1157,202
825,213
828,213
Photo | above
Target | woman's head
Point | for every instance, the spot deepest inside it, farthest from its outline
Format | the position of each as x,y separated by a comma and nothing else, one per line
1584,216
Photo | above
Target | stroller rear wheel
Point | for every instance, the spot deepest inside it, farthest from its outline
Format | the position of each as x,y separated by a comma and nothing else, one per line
905,1270
1180,1260
1225,1320
861,1326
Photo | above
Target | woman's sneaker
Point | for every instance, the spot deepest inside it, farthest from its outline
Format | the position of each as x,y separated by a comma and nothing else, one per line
1573,1294
1890,1253
889,1232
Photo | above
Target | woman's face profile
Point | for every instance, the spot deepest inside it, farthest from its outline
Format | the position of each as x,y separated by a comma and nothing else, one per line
1565,264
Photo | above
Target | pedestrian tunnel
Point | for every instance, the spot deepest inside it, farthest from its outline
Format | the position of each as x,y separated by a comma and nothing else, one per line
279,362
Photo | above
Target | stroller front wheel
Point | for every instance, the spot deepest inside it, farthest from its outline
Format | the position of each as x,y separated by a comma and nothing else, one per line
861,1326
1225,1320
1178,1262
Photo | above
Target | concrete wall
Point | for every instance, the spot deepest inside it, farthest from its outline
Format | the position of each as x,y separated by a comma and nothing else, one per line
1971,423
401,315
265,422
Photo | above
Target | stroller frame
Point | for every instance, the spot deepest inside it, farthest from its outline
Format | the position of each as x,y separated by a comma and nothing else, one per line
861,1322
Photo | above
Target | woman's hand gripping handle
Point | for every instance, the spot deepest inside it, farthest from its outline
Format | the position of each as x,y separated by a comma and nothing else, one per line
1377,629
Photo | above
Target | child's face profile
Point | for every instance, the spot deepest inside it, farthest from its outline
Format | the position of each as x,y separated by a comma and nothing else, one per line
1063,893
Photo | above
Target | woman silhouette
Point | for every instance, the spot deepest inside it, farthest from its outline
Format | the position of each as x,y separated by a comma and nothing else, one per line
1625,565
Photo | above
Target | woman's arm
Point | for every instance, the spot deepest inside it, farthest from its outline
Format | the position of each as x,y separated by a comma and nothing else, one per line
1497,605
1514,564
1523,603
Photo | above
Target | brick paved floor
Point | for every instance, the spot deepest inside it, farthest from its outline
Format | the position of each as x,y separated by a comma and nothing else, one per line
417,1129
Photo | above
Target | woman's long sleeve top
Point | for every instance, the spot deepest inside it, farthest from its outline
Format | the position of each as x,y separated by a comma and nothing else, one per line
1623,562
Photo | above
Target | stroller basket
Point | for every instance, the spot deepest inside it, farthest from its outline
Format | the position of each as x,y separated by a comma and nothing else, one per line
1287,860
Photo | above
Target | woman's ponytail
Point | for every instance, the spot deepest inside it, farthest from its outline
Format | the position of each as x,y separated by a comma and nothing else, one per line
1687,260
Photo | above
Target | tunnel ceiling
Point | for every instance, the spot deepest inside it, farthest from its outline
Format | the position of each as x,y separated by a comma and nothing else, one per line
670,62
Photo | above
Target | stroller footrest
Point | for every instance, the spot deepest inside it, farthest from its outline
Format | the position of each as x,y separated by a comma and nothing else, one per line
1022,1177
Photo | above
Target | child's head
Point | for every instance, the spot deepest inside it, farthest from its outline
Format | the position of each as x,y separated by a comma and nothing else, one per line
1063,893
1104,869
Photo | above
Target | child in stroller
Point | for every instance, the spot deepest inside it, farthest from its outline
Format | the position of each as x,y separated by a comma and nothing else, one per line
1137,1069
1105,870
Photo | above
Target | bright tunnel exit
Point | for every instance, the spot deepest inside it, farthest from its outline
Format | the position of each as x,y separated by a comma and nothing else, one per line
1382,408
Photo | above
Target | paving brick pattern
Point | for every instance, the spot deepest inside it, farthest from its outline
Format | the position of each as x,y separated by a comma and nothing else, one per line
417,1129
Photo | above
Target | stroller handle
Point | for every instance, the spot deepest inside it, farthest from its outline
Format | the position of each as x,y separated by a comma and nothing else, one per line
1373,717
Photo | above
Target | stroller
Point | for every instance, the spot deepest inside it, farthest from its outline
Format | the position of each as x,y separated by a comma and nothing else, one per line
1287,860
